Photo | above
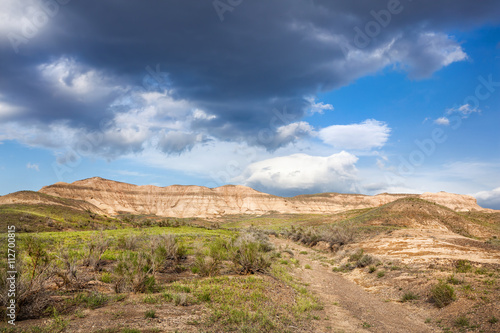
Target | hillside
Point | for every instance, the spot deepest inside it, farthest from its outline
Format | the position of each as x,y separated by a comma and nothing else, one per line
416,213
196,201
33,212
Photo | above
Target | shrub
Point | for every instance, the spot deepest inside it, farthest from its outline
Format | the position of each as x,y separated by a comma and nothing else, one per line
481,271
462,321
181,300
208,261
68,271
356,255
150,314
361,259
409,296
106,277
365,260
248,256
381,274
129,242
92,300
463,266
95,249
168,297
442,294
372,269
453,280
333,235
134,273
205,297
150,299
307,266
34,271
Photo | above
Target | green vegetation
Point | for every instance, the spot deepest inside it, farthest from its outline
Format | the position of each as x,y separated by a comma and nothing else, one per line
442,294
463,266
232,274
462,321
409,296
150,314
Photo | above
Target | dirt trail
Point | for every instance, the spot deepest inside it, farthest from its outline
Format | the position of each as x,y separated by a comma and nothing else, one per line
348,307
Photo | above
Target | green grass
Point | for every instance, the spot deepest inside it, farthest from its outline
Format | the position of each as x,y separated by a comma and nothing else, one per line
239,303
453,280
150,314
463,266
409,296
462,321
92,300
442,294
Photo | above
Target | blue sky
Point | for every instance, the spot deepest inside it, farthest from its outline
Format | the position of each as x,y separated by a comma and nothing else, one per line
286,97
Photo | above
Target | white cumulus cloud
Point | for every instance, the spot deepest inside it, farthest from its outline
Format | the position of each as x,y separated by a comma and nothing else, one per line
442,121
369,134
309,174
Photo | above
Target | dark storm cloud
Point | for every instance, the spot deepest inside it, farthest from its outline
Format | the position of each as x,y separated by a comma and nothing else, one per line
265,55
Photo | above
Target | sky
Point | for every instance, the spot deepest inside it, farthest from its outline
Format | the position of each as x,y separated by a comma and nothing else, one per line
288,97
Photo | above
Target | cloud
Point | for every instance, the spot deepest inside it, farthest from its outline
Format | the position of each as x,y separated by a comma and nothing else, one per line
287,134
302,173
465,110
177,142
367,135
489,199
33,166
80,69
442,121
318,107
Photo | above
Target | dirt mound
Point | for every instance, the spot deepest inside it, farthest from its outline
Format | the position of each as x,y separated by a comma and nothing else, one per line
420,214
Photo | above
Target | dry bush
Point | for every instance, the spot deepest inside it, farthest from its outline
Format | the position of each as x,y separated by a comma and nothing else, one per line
95,249
130,242
251,252
68,271
134,273
336,235
208,262
163,249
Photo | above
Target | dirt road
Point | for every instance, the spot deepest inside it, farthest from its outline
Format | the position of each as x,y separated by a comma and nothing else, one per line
348,307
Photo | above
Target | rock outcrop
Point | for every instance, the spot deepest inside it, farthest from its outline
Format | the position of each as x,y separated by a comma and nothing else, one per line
197,201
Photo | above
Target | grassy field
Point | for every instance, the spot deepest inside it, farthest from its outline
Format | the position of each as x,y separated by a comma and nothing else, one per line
233,275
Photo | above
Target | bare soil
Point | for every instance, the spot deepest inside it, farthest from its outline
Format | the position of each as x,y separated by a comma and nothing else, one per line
348,306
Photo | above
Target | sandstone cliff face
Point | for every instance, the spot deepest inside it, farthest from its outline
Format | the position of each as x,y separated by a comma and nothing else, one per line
197,201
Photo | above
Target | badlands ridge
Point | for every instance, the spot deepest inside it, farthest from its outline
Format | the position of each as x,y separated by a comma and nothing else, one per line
112,198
